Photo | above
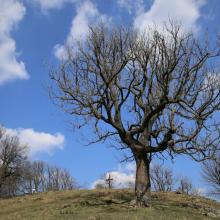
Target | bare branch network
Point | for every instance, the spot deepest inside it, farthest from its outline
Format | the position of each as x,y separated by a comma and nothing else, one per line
155,91
211,175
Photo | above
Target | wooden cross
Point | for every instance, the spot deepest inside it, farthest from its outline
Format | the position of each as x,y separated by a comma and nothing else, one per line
109,181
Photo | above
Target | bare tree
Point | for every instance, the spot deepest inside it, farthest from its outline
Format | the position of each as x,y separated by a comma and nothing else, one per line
185,186
56,172
211,174
27,185
13,156
59,179
67,181
18,175
34,177
38,170
151,91
162,178
41,177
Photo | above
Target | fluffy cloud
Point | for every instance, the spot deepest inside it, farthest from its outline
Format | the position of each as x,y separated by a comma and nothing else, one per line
126,4
51,4
87,14
123,177
11,12
185,11
39,142
132,6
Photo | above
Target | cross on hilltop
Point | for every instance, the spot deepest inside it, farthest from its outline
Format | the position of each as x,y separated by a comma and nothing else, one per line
109,181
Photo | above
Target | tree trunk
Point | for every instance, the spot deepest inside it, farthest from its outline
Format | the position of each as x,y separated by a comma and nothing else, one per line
142,182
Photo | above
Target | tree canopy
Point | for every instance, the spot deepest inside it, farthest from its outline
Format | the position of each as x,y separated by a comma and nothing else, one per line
156,91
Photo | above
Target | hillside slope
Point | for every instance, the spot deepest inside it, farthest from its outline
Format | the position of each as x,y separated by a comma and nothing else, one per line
106,204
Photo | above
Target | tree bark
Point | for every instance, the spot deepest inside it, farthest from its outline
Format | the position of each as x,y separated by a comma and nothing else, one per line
142,182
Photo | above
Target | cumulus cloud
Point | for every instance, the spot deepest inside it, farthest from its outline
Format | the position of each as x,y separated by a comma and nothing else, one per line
187,12
50,4
87,14
126,4
11,13
38,142
123,177
132,7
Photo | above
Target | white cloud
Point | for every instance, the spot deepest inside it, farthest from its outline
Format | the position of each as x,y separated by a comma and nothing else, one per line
50,4
131,6
187,12
87,14
38,142
201,191
126,4
123,177
11,12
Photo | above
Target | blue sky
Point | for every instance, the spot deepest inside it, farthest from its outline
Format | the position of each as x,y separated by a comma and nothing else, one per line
32,38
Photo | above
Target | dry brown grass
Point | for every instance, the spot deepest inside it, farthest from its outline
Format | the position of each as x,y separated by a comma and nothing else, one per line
106,205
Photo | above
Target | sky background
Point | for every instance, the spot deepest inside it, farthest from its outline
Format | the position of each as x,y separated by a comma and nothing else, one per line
32,38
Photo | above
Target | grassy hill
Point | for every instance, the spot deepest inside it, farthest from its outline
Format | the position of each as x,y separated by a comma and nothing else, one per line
106,205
